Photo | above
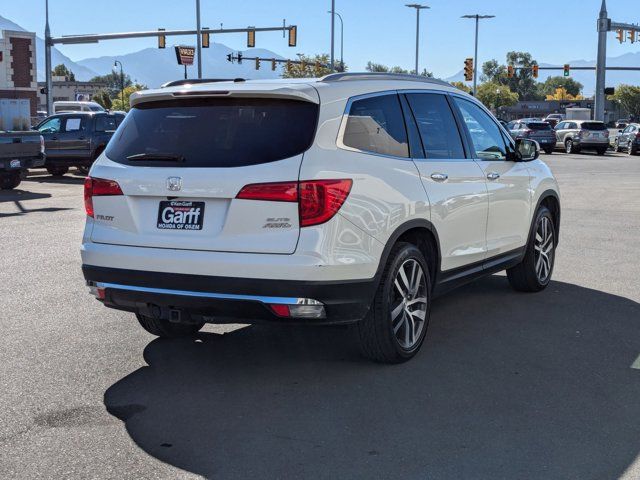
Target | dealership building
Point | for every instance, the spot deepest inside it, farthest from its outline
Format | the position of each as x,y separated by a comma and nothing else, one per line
18,79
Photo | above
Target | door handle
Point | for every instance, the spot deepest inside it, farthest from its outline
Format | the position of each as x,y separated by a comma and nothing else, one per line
439,177
493,176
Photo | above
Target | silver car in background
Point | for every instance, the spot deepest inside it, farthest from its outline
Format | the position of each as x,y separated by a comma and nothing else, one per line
539,131
576,135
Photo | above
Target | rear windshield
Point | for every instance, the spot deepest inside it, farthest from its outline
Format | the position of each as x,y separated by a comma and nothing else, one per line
538,126
593,126
216,132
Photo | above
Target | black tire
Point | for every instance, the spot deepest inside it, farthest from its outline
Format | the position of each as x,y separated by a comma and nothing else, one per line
378,338
9,181
632,150
524,277
569,147
616,146
601,151
167,329
83,170
548,151
57,170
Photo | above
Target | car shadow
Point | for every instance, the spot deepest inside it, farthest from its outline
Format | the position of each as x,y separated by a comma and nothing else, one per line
18,196
67,179
507,385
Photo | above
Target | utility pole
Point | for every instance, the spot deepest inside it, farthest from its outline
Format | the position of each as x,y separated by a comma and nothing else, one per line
199,40
341,40
115,69
47,60
475,55
604,24
333,30
418,7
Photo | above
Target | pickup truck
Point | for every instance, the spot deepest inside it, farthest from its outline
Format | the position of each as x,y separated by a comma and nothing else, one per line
19,151
76,139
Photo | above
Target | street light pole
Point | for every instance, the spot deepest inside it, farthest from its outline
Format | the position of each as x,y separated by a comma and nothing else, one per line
475,55
418,7
341,39
47,60
198,41
333,29
115,67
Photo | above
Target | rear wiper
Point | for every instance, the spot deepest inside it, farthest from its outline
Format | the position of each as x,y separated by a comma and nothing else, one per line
158,157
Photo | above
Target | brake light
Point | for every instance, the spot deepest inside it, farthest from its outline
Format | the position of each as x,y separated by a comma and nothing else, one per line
274,192
638,135
318,200
98,187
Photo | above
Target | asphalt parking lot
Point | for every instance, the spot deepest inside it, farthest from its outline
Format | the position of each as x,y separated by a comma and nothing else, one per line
507,385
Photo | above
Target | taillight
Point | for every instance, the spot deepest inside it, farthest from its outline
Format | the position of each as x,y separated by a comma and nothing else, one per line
98,187
274,192
41,144
318,200
638,135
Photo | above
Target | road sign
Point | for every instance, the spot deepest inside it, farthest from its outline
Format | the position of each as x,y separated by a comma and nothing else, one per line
185,55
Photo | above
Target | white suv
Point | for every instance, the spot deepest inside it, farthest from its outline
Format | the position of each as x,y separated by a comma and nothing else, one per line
354,198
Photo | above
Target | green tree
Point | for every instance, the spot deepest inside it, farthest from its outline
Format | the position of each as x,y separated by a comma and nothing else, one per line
103,98
313,66
128,91
461,86
628,97
380,68
494,95
551,84
112,82
522,81
62,71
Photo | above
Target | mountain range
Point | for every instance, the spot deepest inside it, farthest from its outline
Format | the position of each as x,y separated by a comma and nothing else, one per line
153,66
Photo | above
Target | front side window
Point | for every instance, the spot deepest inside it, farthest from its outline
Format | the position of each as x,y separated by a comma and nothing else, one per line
437,126
485,134
376,125
50,126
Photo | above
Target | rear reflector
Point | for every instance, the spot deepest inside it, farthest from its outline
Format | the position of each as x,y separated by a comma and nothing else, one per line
98,187
319,200
280,310
306,308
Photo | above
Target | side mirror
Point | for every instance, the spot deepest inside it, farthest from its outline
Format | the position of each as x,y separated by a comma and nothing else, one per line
619,131
527,150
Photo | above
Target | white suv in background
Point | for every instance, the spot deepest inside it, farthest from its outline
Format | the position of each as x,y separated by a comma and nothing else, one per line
354,198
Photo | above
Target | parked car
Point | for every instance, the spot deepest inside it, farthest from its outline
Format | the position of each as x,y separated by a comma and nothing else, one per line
76,139
551,121
558,117
541,132
19,151
576,135
628,139
76,106
354,198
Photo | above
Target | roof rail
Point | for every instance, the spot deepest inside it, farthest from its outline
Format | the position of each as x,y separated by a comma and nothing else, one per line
341,77
177,83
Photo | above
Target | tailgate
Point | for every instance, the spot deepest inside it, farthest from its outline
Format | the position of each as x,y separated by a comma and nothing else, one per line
181,163
15,145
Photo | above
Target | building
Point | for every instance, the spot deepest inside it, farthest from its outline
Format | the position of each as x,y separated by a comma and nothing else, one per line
542,108
65,90
18,79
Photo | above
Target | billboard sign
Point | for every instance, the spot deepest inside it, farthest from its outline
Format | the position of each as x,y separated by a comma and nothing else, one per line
185,55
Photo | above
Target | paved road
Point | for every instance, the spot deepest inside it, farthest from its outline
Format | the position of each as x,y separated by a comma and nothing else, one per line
507,385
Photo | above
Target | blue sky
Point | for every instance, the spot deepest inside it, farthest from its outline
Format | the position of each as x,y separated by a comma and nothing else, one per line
379,30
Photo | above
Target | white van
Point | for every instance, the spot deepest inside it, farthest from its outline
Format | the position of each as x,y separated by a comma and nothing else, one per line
59,107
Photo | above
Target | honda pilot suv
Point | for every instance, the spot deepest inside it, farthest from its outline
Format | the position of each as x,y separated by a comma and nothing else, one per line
349,199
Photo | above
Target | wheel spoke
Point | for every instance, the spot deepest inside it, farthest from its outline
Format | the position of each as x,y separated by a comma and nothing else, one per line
421,314
405,281
408,331
417,300
397,310
402,321
399,288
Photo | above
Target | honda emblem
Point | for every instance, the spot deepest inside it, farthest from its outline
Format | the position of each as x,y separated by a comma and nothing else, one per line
174,184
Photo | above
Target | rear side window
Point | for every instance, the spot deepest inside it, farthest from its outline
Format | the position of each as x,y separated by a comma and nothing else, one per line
214,132
105,123
593,126
538,126
376,125
437,126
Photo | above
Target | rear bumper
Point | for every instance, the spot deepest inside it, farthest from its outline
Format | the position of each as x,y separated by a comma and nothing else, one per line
227,299
592,144
69,161
29,162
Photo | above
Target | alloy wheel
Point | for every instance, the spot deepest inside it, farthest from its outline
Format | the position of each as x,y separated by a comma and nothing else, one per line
569,146
543,246
408,304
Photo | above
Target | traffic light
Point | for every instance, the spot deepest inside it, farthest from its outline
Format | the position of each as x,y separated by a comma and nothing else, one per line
289,67
239,58
468,69
632,36
293,35
535,71
566,69
273,64
510,71
620,35
251,38
162,40
205,38
257,63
